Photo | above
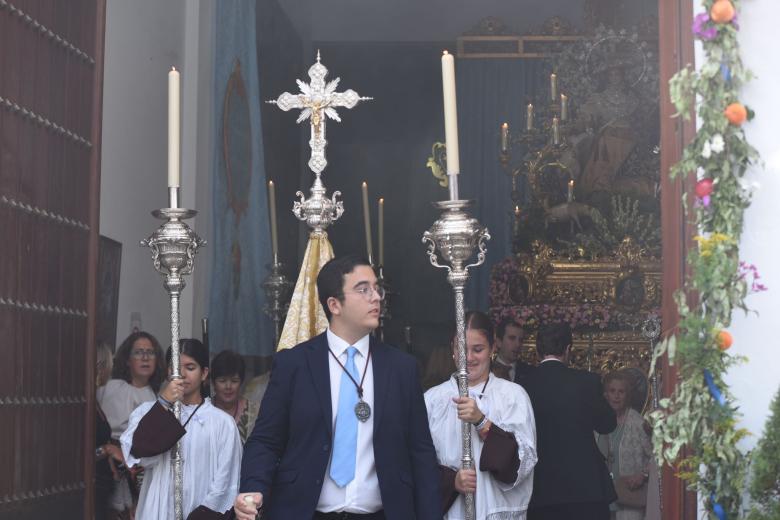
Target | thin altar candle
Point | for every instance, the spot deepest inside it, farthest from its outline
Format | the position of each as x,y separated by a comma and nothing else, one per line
570,194
504,137
272,211
381,224
556,131
564,107
367,224
554,87
529,117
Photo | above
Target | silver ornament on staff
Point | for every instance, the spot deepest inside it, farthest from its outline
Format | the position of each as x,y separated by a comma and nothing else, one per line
454,237
174,246
278,289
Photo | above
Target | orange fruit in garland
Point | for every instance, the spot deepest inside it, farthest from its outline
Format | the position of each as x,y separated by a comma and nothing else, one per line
722,11
724,340
736,113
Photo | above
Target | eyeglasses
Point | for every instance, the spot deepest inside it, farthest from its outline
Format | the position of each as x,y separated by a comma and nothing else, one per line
143,354
366,291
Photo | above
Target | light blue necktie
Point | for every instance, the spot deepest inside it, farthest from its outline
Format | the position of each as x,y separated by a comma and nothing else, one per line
342,467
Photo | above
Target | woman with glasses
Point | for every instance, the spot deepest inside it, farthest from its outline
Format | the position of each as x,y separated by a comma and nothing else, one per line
503,434
137,374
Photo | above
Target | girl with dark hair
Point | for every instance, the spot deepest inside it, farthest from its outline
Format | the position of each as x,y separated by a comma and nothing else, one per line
137,373
503,435
227,376
210,445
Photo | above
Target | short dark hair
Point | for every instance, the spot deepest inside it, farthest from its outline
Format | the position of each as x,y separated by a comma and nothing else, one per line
552,339
122,356
193,348
196,350
227,363
330,281
504,323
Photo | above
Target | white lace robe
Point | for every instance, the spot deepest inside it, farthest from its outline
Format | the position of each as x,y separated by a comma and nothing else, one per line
211,450
507,405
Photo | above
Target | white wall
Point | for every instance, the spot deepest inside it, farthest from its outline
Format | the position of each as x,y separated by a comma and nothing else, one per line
756,382
144,38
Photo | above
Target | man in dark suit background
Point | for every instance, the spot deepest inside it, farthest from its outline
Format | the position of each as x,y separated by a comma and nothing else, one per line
571,479
509,344
342,431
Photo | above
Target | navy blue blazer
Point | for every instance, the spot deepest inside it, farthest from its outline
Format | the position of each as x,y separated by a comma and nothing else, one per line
287,454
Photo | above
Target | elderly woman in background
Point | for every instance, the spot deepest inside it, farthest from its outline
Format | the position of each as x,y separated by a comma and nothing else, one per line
627,449
227,376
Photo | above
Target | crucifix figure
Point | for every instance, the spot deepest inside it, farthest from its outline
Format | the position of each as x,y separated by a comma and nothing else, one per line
317,101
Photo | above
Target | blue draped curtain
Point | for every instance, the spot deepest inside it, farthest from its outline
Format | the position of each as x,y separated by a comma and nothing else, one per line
491,92
241,242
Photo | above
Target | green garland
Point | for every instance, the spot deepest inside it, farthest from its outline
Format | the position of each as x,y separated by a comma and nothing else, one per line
695,428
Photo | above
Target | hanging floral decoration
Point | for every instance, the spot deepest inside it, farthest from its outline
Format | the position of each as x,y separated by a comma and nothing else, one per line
695,428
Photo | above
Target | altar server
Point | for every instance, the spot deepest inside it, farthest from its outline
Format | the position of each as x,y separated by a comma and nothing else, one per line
503,435
211,446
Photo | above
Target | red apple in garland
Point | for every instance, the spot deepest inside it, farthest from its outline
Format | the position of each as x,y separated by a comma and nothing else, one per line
704,188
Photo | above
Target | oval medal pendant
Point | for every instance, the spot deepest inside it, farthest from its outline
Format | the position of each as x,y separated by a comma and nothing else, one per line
362,411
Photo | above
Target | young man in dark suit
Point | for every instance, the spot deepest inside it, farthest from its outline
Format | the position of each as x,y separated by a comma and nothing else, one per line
509,343
571,479
342,431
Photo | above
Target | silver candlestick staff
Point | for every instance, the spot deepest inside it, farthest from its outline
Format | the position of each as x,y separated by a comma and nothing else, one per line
456,235
174,246
277,291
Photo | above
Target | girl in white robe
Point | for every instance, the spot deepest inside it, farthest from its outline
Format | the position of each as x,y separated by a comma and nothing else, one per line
494,404
211,446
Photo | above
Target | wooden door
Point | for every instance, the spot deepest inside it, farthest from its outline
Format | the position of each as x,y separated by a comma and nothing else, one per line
675,52
51,66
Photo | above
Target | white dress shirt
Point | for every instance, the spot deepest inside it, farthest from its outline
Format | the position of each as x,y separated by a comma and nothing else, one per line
361,495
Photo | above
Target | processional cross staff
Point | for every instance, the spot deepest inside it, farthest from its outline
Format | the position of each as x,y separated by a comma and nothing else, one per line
318,101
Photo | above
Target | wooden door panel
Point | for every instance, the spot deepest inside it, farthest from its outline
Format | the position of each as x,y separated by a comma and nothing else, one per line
50,109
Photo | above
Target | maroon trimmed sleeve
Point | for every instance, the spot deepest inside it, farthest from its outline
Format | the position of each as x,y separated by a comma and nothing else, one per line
157,432
499,455
447,483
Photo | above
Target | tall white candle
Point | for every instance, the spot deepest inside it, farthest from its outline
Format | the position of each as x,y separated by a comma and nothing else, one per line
381,225
529,117
450,121
564,107
554,87
272,211
367,224
556,131
570,193
173,128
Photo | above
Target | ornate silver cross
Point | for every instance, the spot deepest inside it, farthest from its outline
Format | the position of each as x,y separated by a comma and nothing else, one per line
317,101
